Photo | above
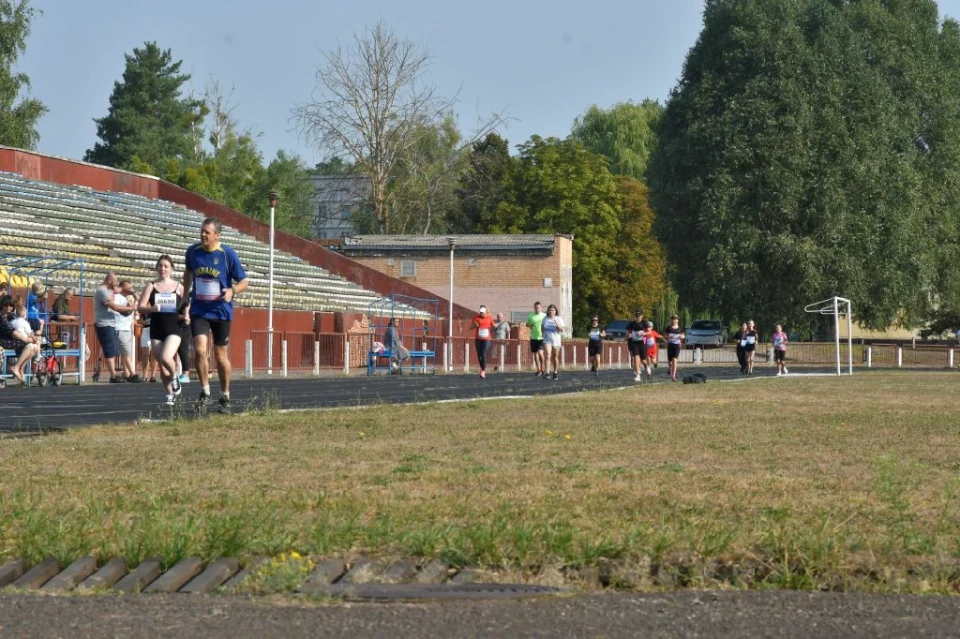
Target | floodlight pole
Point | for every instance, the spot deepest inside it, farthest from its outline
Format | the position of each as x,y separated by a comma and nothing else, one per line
272,196
452,243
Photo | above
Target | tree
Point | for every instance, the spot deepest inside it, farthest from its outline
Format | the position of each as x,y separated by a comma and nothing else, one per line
422,191
557,186
625,134
18,120
484,186
149,122
807,149
373,107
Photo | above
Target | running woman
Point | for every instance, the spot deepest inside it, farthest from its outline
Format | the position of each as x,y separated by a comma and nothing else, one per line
595,345
483,324
212,277
780,339
675,337
552,331
638,347
162,301
535,323
750,345
741,338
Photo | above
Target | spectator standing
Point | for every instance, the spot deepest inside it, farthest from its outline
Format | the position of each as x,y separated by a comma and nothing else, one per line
36,307
501,333
212,277
123,324
105,311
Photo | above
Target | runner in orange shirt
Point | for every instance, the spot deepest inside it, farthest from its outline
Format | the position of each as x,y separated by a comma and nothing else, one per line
484,325
650,338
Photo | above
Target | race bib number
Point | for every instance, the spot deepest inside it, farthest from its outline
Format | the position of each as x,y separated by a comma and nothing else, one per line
483,333
743,342
166,302
636,336
651,341
594,335
208,289
675,340
778,342
751,339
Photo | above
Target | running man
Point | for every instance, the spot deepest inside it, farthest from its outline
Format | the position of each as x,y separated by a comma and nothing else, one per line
638,347
675,337
535,322
483,324
212,278
750,345
780,339
595,344
741,338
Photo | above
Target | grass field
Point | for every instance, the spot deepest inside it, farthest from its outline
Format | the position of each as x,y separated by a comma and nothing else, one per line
850,483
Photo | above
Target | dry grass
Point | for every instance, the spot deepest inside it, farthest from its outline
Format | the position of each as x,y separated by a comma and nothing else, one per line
822,482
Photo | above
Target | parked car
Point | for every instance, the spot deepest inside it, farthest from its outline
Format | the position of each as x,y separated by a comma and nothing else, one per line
617,329
706,332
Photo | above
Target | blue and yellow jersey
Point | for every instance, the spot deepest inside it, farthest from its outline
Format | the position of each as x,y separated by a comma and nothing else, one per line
213,273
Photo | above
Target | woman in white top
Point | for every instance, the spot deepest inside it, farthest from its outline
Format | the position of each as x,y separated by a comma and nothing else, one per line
162,300
552,328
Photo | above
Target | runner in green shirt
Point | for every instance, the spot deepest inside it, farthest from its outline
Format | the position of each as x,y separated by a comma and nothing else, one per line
535,322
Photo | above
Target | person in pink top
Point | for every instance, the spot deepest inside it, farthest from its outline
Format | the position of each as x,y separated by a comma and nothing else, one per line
779,339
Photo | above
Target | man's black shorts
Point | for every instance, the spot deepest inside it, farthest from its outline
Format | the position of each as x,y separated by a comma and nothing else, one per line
594,347
638,348
219,328
673,351
536,345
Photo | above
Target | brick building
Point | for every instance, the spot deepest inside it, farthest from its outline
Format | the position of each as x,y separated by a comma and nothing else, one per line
508,273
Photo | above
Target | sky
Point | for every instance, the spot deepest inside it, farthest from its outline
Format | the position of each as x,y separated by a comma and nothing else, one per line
543,63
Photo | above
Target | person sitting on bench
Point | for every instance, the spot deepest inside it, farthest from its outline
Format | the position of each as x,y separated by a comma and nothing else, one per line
391,341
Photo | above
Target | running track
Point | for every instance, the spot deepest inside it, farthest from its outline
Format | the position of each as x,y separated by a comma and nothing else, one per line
32,410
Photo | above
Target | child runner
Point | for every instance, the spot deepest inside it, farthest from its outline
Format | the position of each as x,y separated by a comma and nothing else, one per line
650,338
675,337
780,340
483,324
638,347
750,345
552,330
595,345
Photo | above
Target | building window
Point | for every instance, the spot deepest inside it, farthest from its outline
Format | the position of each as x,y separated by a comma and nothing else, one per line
408,268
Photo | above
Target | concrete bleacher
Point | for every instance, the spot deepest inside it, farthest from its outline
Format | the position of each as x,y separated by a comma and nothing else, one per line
127,233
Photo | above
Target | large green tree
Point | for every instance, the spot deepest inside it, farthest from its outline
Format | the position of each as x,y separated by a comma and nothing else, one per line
811,149
557,186
625,134
149,121
484,184
18,116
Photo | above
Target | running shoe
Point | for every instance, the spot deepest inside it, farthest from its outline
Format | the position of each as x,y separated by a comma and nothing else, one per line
638,378
785,371
556,376
203,404
483,374
171,400
779,374
117,379
224,408
175,384
184,379
134,379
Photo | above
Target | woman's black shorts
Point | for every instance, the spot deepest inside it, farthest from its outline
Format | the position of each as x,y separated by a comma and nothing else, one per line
673,351
594,347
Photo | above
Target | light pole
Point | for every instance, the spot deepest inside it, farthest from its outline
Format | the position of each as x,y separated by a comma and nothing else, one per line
452,243
272,196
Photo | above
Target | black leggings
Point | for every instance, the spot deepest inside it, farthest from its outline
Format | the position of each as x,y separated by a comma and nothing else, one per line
184,350
482,346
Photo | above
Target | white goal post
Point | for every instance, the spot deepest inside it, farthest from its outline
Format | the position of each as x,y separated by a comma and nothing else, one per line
837,306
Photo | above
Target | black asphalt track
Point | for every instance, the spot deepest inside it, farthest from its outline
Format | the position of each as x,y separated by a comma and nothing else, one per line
35,409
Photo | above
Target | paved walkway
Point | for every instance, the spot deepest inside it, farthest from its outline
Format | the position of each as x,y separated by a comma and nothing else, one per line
30,409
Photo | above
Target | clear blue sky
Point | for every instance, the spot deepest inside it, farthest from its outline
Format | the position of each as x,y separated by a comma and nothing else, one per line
545,62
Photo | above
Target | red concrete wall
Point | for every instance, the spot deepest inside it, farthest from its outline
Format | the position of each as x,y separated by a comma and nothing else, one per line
70,172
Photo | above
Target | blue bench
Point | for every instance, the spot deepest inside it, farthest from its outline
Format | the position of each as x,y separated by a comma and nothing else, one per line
374,358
